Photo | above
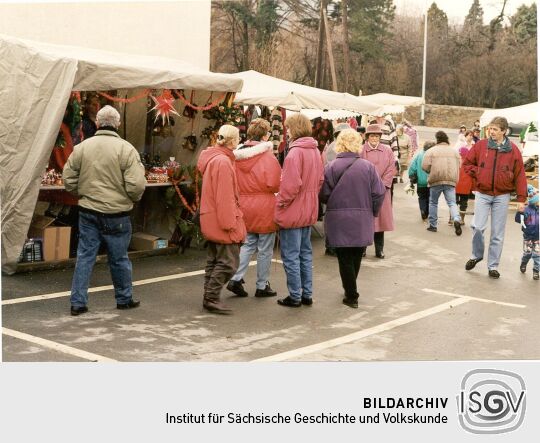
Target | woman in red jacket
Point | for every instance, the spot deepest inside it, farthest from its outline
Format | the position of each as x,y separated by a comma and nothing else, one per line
258,173
222,222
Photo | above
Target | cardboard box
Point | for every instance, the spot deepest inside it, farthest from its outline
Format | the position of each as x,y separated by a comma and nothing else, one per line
141,241
55,238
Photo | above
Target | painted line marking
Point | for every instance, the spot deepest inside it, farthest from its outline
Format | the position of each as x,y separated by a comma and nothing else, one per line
364,333
147,281
56,346
483,300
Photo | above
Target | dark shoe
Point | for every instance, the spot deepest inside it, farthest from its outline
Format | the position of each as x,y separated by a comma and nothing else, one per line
493,273
132,304
351,303
307,301
423,215
78,311
535,275
216,307
266,292
457,228
472,263
236,288
431,229
290,302
523,268
379,254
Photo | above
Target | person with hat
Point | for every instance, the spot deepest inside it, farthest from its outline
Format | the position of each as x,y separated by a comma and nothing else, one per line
527,217
383,159
389,138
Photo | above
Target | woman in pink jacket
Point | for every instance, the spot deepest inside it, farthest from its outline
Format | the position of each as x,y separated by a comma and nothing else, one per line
297,208
383,158
258,173
222,222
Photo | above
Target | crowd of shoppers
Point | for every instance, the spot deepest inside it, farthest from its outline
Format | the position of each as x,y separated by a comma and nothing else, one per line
247,198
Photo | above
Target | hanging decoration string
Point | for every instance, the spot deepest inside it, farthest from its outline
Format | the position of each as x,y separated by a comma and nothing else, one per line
179,94
143,94
191,208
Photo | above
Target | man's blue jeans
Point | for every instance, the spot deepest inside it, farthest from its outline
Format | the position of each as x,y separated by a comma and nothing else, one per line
297,259
498,207
116,233
264,245
450,197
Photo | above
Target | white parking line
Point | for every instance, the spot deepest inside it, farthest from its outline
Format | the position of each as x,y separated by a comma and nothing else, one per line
289,355
483,300
147,281
56,346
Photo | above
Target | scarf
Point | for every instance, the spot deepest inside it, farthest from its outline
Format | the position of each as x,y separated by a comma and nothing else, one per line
505,146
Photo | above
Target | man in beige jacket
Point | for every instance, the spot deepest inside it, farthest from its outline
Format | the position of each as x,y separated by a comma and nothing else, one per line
107,175
442,164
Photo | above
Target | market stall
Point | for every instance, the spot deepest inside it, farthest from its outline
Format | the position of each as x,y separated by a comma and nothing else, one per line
261,89
36,83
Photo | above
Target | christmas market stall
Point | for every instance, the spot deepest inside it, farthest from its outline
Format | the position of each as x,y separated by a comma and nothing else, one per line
49,95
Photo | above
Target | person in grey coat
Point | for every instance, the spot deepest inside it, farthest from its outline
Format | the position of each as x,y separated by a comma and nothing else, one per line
353,193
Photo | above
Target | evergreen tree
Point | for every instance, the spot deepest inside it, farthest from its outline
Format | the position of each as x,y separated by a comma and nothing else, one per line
475,18
370,23
524,23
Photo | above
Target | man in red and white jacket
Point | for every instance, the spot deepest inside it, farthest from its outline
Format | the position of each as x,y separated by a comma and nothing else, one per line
496,167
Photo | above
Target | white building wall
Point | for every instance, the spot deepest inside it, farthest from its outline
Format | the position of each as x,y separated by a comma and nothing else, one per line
176,29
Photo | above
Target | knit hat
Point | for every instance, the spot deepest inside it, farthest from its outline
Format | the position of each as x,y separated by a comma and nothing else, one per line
373,129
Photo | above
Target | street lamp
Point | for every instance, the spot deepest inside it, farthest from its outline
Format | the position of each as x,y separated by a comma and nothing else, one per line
422,109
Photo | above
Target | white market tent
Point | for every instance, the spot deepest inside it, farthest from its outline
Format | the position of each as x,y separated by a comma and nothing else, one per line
393,104
261,89
517,115
36,80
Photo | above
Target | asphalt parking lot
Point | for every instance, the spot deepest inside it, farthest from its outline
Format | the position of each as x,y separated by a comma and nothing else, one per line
417,304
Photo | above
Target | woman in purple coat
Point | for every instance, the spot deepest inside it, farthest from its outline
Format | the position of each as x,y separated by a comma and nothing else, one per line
353,193
383,159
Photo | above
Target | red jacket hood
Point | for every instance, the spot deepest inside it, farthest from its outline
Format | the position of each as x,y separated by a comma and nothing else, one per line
211,153
248,156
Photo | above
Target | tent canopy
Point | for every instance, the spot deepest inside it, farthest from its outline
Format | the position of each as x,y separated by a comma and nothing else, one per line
384,99
36,81
261,89
517,115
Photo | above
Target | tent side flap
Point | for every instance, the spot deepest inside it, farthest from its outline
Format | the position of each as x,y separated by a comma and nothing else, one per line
34,92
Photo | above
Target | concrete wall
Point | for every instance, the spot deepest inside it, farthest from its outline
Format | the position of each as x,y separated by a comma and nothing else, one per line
176,29
443,116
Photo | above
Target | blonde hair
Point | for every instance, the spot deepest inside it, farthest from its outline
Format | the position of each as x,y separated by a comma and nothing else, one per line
257,129
227,135
298,126
349,141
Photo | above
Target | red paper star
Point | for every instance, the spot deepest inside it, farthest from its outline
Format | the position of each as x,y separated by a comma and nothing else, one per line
164,106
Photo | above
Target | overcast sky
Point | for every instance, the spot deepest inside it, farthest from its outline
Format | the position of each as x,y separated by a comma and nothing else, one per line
456,9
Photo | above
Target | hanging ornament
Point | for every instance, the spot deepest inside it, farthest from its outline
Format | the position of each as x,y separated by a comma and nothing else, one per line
164,106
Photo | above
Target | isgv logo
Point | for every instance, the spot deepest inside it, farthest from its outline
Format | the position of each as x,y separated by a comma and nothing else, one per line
491,401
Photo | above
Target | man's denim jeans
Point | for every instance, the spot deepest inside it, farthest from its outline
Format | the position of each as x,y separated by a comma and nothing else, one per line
297,259
116,233
498,206
264,245
450,197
